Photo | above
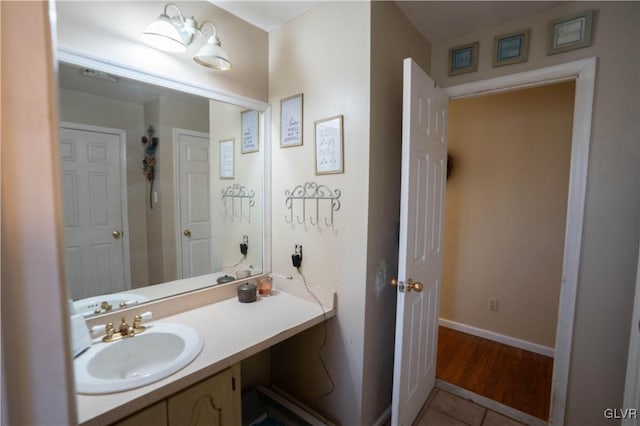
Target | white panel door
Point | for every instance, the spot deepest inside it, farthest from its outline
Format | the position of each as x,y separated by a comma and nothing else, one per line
194,199
424,156
92,202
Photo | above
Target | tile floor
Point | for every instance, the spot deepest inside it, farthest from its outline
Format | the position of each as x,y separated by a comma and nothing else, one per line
445,409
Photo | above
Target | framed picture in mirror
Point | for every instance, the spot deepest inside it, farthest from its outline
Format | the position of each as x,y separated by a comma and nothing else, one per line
226,159
250,131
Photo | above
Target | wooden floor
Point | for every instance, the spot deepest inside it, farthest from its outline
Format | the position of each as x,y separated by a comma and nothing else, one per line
511,376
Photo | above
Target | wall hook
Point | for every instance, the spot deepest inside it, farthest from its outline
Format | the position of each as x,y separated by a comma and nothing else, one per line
316,193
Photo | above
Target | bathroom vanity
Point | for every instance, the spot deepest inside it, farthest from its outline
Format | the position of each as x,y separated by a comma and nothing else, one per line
232,331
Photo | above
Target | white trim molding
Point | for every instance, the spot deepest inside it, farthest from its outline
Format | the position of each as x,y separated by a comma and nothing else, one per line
584,73
497,337
384,417
82,59
632,381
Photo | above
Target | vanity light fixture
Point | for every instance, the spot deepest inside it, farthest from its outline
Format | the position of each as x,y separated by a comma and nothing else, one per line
175,33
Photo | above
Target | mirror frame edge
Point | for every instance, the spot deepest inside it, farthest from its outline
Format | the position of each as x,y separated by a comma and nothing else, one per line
82,59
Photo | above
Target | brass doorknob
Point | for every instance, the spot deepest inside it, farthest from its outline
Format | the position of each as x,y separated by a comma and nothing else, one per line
187,233
116,234
417,286
411,285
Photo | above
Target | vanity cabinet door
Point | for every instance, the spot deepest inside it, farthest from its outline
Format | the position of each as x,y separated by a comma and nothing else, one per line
155,415
212,402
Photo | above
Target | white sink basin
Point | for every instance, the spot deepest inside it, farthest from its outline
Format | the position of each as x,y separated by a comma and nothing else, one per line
159,351
88,306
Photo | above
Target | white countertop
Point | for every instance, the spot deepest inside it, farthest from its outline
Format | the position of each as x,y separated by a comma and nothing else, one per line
231,332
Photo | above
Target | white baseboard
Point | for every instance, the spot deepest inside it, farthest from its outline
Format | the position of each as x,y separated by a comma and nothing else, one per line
386,415
497,337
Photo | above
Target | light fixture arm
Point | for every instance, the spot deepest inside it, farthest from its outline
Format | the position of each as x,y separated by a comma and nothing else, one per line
180,16
214,31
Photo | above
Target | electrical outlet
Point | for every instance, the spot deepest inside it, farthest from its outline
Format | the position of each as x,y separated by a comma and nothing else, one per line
244,246
296,257
493,304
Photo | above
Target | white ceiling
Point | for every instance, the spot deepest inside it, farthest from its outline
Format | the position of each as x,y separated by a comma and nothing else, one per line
436,20
267,15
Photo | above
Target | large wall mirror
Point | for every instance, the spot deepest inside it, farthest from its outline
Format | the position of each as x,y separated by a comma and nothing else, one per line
159,195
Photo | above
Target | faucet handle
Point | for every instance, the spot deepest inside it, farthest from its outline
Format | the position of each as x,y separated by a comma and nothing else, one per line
123,328
137,320
102,328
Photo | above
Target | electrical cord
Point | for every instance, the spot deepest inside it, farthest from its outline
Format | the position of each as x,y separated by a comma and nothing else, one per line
230,268
324,341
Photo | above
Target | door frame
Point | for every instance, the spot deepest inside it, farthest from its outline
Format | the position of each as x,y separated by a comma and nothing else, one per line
124,205
176,191
584,73
632,378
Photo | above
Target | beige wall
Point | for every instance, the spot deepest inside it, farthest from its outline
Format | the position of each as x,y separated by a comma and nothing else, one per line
610,233
325,55
393,38
77,107
360,349
154,216
249,172
111,31
506,210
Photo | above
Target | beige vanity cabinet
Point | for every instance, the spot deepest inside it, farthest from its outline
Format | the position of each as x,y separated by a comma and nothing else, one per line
212,402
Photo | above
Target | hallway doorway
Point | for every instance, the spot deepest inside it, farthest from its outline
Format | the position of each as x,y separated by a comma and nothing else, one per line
505,216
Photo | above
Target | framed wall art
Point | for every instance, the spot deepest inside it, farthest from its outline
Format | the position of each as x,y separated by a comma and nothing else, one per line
570,32
329,146
463,59
226,158
511,48
291,121
250,131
